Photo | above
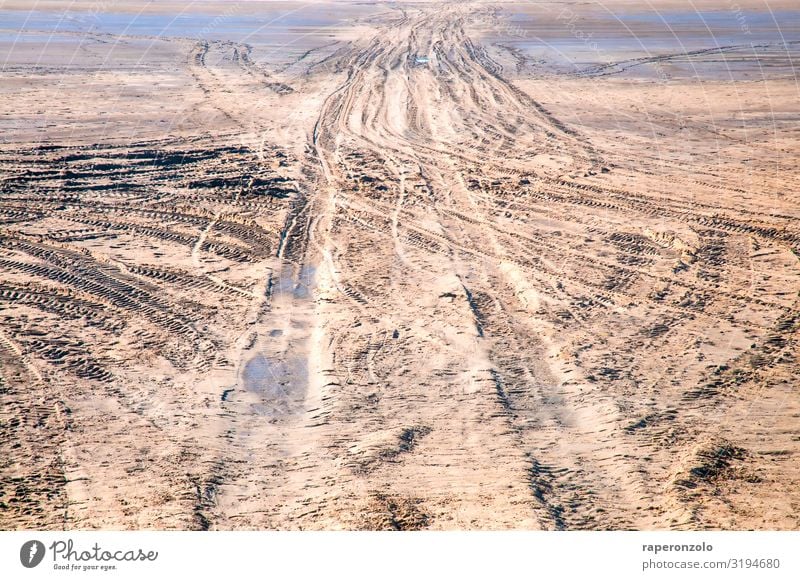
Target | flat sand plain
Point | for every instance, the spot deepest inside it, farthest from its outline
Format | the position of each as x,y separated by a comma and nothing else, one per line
439,265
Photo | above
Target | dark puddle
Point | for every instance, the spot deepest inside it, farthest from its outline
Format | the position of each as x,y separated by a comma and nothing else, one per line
297,286
275,371
282,384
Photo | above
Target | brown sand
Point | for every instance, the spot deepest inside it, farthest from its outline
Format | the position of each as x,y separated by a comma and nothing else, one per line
332,287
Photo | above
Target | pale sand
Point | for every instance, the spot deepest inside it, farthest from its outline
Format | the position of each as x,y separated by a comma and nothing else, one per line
326,286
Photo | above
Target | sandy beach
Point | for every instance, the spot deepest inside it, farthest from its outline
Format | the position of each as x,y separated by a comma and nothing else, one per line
400,266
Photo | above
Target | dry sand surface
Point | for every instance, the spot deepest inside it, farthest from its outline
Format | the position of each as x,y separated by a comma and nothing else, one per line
440,265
